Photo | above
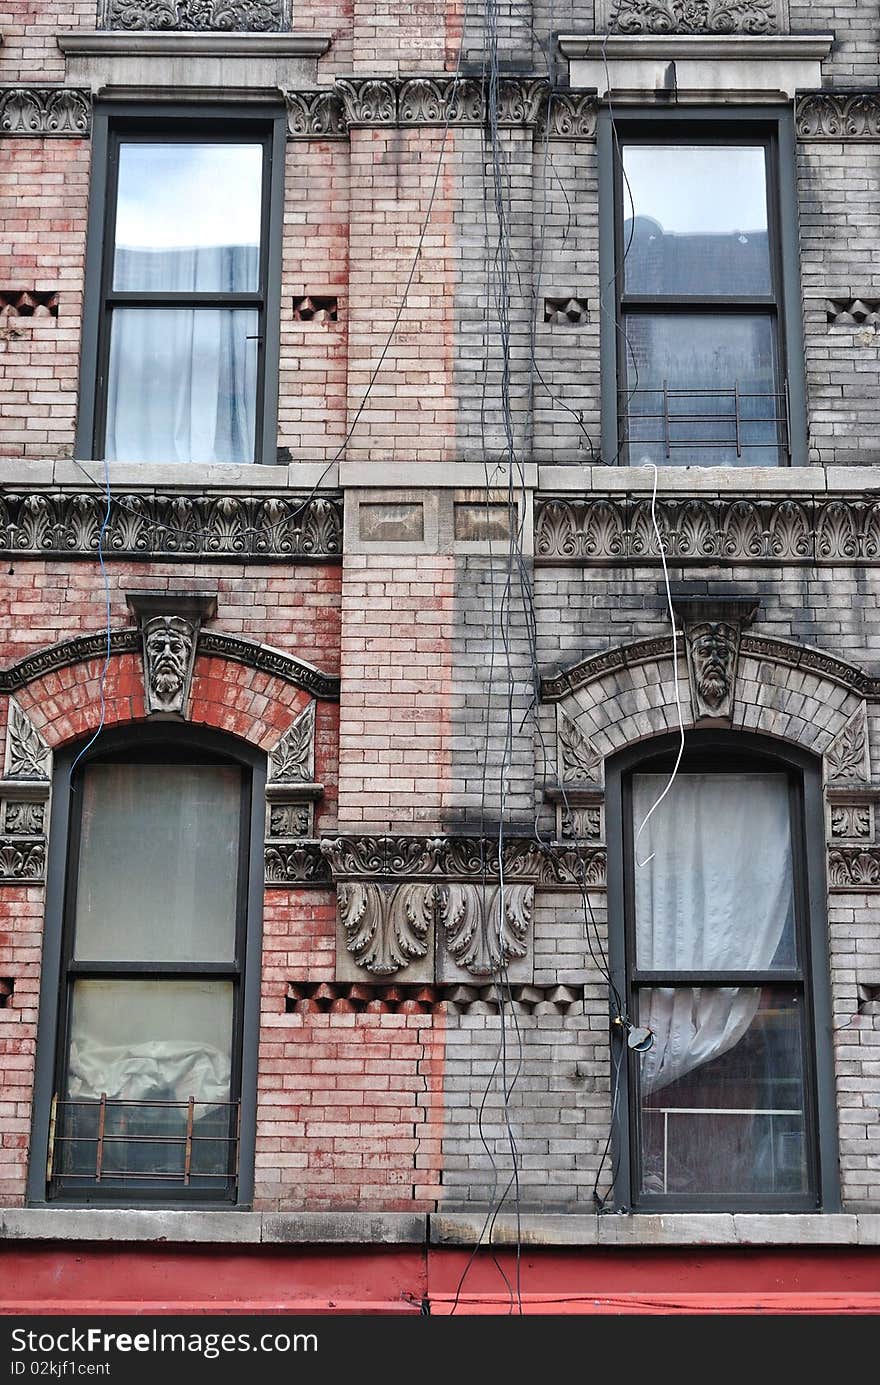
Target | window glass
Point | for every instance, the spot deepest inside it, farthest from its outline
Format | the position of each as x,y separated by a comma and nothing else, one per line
714,891
188,217
182,384
702,390
148,1083
695,220
722,1092
158,863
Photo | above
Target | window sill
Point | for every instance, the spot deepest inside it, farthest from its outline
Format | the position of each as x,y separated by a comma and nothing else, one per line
20,474
191,1226
441,1229
671,1229
745,65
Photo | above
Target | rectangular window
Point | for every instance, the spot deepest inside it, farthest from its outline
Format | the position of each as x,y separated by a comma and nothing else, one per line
719,1075
182,311
147,1081
698,341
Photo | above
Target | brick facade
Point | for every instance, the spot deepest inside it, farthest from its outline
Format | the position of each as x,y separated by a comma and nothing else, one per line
439,626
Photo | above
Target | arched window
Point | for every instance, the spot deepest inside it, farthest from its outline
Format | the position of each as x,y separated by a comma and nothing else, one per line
147,1060
718,945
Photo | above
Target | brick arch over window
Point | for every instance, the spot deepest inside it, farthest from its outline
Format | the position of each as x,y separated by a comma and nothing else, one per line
243,688
789,691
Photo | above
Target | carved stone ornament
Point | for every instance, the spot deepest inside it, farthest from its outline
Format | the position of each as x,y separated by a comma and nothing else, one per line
849,821
45,111
242,16
293,758
27,754
610,530
432,858
386,927
296,864
24,819
694,16
712,648
578,823
235,527
854,868
579,760
485,928
169,624
22,862
838,115
439,100
847,757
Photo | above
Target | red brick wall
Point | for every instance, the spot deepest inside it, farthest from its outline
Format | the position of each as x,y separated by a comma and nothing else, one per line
43,201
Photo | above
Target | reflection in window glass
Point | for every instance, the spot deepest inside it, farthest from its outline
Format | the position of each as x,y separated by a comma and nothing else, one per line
182,385
722,1092
188,217
695,220
158,863
702,390
148,1082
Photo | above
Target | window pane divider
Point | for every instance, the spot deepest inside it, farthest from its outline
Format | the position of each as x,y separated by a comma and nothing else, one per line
130,298
717,978
150,969
635,302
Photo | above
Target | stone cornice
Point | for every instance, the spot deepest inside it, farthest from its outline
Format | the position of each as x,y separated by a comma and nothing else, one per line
177,43
332,860
838,115
706,46
45,111
800,656
404,102
617,530
171,525
210,642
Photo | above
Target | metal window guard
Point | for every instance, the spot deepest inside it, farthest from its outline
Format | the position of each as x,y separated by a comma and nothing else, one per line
667,1111
188,1140
733,417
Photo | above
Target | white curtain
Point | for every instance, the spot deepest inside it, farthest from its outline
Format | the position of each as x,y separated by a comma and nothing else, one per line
182,380
716,896
164,1070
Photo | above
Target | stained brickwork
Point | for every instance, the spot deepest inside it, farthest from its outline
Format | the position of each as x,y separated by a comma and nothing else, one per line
439,627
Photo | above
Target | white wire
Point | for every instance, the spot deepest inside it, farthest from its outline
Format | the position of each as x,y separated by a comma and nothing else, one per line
656,804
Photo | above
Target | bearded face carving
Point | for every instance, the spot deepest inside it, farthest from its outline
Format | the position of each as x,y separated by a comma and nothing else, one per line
168,650
712,650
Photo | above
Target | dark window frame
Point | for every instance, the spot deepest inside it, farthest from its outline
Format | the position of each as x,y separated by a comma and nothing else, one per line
263,124
152,743
728,751
769,125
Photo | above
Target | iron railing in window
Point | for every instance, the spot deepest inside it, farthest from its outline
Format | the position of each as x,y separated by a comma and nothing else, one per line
728,412
88,1138
666,1111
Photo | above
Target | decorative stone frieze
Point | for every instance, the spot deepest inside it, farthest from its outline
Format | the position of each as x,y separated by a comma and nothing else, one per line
141,525
45,111
608,530
241,16
843,115
690,16
440,100
346,997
